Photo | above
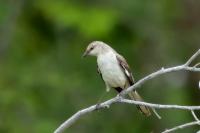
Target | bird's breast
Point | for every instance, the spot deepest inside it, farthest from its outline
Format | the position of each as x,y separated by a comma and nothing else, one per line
111,71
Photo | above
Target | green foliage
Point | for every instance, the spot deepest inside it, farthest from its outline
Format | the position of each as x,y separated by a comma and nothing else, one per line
92,22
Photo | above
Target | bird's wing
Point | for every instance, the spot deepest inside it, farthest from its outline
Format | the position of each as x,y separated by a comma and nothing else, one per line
125,67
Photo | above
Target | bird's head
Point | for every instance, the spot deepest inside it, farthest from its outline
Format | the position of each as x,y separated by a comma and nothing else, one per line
95,48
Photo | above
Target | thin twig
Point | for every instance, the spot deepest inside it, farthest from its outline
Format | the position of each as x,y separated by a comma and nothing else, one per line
160,106
192,58
156,113
197,65
182,126
195,116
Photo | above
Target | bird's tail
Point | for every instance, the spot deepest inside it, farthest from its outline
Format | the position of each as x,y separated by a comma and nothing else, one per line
143,109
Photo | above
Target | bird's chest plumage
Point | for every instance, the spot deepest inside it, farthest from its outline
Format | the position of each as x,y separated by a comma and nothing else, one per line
111,71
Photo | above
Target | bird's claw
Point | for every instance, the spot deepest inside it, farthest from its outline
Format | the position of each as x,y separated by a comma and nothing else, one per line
97,106
120,95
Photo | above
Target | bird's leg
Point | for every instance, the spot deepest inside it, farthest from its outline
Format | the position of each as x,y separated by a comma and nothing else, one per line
99,101
107,88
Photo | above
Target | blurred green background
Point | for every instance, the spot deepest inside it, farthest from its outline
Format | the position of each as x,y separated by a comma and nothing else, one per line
43,79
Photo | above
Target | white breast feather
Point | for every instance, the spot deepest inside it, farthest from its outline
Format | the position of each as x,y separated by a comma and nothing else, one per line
111,71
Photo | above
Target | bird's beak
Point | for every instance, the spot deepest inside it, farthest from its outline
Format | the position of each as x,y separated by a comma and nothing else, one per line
85,54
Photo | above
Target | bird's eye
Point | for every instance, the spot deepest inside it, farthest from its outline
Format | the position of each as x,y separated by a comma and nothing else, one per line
91,48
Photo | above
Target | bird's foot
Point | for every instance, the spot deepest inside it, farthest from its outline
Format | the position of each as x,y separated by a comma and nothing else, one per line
97,106
120,95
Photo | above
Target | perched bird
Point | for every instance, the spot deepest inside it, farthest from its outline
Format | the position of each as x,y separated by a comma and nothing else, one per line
114,70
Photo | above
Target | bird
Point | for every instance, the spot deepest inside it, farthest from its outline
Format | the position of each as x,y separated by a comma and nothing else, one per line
114,71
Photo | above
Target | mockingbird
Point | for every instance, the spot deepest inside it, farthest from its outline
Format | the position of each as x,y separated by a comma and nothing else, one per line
114,70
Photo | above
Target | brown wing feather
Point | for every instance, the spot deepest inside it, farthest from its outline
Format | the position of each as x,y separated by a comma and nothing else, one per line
134,95
125,67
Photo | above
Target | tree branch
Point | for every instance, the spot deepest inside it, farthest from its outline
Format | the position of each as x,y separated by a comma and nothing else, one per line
119,99
182,126
192,58
197,65
159,106
196,122
194,115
